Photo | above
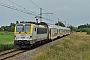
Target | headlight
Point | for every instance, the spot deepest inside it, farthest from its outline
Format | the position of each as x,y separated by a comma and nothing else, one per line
30,37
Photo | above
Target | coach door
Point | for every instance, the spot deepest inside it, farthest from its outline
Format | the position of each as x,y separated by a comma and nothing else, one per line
35,33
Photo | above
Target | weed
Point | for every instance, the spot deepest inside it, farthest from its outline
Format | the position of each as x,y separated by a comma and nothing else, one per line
75,47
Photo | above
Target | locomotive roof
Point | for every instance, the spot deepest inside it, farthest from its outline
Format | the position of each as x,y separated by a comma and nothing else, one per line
44,26
20,24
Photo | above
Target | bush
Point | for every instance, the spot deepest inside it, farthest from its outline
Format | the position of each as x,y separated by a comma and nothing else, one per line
4,47
84,30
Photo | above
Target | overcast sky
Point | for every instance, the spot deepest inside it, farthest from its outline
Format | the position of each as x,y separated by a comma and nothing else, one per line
73,12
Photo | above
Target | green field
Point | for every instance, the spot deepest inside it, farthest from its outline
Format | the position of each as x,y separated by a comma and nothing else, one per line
74,47
6,41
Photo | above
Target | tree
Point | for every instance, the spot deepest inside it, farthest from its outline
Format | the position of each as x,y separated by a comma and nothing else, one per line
8,28
84,26
73,28
17,22
2,28
12,25
60,24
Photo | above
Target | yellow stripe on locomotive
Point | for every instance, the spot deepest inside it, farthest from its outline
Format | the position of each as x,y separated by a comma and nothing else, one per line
23,34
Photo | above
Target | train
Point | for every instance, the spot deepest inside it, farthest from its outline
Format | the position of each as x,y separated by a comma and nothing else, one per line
29,33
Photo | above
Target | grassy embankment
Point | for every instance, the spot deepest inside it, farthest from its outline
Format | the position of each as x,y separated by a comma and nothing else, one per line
6,41
74,47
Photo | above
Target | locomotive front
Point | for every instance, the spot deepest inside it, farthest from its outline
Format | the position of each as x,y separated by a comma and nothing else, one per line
23,34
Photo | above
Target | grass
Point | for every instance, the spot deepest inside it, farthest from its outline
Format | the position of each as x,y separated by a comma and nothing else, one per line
4,47
6,37
74,47
6,41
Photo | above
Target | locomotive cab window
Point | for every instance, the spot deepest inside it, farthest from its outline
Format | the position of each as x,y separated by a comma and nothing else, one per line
23,28
19,28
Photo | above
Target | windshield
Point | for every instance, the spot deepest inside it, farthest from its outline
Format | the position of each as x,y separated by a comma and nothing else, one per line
22,28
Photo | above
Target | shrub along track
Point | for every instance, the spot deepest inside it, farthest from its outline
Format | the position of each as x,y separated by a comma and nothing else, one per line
25,54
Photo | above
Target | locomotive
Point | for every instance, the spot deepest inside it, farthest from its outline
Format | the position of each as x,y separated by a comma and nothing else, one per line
28,33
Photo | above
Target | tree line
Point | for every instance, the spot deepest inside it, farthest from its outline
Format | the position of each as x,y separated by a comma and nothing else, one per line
12,25
84,28
81,28
8,28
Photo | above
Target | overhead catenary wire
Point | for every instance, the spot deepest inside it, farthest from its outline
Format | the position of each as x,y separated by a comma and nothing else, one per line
34,3
20,10
39,8
14,8
48,19
20,6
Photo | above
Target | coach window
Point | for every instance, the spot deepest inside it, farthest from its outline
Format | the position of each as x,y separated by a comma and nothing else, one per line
41,30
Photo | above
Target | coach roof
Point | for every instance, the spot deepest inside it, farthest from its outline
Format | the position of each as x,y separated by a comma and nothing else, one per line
52,26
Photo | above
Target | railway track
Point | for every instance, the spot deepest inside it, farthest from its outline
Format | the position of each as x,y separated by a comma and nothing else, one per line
25,54
6,55
31,53
10,53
